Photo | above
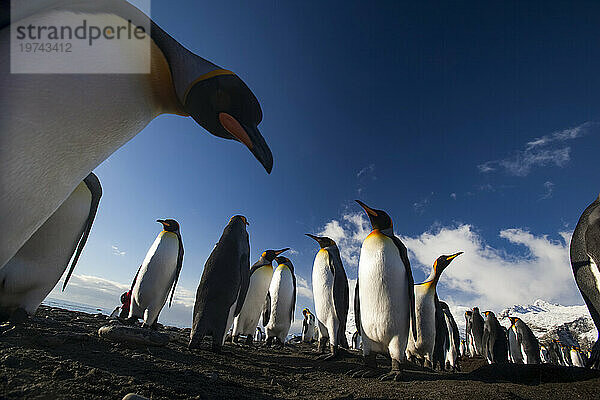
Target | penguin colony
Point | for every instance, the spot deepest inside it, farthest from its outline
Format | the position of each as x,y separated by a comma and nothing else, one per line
394,316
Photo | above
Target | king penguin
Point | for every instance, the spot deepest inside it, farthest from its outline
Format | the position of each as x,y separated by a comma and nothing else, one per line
585,262
495,344
469,339
308,326
421,347
33,272
260,279
385,298
282,293
331,294
223,286
158,274
477,324
56,128
453,346
522,343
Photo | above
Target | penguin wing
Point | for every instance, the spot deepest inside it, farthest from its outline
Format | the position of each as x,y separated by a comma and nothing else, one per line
411,282
93,184
341,296
135,278
179,266
592,236
245,282
293,308
357,307
266,314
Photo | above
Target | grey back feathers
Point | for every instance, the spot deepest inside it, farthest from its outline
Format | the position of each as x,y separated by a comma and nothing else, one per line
477,324
341,295
528,341
93,184
585,262
495,343
224,283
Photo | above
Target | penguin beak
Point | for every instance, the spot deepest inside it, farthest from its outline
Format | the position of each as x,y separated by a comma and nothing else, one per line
250,136
318,239
368,209
453,256
278,252
162,221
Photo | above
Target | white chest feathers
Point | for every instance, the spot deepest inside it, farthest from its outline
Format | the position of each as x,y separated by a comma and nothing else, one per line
322,283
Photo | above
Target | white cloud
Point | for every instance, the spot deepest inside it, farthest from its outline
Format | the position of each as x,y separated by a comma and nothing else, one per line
293,252
117,252
453,196
370,169
303,288
538,154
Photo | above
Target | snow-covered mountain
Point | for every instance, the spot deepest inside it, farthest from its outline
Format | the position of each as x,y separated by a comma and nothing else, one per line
569,324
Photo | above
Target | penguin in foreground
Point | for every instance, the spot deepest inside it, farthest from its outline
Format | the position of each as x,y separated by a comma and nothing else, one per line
427,305
495,344
56,128
385,298
585,262
282,293
158,274
453,346
524,346
33,272
223,286
260,279
477,324
308,326
331,294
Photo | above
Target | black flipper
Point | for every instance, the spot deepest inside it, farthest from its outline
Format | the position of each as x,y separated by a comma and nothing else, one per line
179,266
293,297
135,278
266,314
244,283
357,308
93,184
411,282
341,296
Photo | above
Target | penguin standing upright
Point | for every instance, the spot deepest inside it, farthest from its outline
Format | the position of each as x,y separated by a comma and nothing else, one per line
477,324
463,348
544,354
331,294
524,346
308,326
585,262
283,301
453,347
495,345
576,357
469,339
223,286
429,317
158,274
385,299
58,127
33,272
554,352
260,279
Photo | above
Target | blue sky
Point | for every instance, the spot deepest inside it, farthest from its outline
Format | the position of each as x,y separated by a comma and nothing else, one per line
430,112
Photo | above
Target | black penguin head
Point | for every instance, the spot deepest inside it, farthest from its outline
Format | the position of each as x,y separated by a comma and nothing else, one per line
169,225
380,220
513,320
285,261
223,105
488,314
239,218
468,314
270,255
443,261
322,240
306,312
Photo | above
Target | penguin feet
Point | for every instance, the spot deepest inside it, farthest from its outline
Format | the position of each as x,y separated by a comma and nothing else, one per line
249,340
395,376
334,355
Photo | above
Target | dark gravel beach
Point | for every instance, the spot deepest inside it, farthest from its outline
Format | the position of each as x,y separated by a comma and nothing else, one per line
59,355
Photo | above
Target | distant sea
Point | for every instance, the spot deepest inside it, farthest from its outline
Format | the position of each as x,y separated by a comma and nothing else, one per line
73,306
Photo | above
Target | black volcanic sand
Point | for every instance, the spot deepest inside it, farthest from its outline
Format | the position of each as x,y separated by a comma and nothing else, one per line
59,355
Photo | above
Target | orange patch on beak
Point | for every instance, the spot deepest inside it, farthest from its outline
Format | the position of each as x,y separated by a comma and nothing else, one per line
232,126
